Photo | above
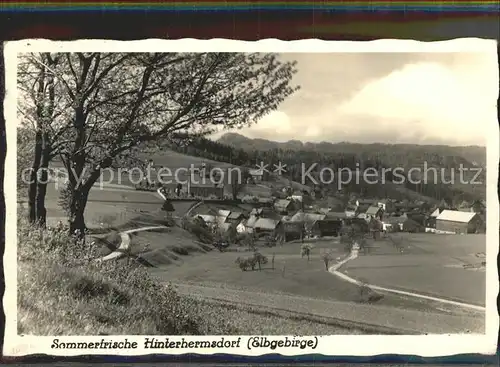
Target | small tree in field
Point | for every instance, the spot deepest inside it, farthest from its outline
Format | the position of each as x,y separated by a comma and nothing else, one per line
305,250
327,257
259,259
350,236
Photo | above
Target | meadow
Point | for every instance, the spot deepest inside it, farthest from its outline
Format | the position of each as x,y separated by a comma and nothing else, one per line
430,264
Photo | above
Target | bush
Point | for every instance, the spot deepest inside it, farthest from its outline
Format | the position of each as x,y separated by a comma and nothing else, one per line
368,295
201,231
62,290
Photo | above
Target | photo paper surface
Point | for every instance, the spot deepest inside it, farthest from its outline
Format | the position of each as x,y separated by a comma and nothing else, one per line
249,198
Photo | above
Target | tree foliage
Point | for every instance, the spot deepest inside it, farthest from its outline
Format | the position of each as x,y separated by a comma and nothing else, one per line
114,102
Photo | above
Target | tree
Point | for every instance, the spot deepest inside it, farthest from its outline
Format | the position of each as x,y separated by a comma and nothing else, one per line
237,183
305,250
111,94
350,235
327,257
259,259
168,207
42,124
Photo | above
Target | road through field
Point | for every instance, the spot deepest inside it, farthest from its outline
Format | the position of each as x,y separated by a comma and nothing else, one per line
385,317
354,254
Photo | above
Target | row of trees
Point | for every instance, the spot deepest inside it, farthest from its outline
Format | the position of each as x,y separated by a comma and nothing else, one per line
90,111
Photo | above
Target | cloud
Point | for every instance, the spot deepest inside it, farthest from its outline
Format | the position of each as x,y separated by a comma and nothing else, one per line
429,100
440,98
276,124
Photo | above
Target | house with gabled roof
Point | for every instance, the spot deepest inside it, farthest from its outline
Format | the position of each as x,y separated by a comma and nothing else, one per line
374,211
454,221
284,206
326,227
235,217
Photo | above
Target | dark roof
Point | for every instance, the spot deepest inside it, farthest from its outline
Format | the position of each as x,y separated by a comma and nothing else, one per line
363,207
282,203
328,224
336,215
417,217
234,215
366,201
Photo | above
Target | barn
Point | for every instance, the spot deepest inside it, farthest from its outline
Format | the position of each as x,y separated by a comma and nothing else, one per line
329,227
454,221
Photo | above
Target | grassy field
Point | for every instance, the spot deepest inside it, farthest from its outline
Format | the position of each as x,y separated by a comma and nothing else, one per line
430,264
112,207
61,293
292,274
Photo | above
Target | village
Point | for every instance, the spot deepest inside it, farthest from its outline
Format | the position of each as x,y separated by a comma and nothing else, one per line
265,208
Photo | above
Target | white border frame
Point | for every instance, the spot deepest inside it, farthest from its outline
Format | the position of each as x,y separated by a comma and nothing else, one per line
423,345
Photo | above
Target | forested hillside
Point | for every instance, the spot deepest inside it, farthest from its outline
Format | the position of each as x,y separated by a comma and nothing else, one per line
299,157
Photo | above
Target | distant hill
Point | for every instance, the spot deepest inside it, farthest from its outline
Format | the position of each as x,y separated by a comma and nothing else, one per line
468,155
446,160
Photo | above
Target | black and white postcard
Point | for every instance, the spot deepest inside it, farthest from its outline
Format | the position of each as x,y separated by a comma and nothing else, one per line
188,196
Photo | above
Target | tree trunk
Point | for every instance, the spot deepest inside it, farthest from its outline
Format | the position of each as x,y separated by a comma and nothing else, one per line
77,209
32,188
41,211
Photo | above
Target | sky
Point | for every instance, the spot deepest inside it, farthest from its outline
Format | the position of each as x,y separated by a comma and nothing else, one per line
418,98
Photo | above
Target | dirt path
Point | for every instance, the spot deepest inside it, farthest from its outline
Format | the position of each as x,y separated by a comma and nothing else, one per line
335,270
125,242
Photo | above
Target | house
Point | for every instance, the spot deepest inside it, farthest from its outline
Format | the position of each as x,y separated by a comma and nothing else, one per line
385,204
412,226
360,224
284,206
436,212
419,218
296,195
257,175
256,211
268,202
225,227
307,219
223,213
303,197
247,225
207,218
454,221
234,217
326,227
362,208
365,202
336,216
267,225
393,223
350,212
374,212
331,203
431,220
293,231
